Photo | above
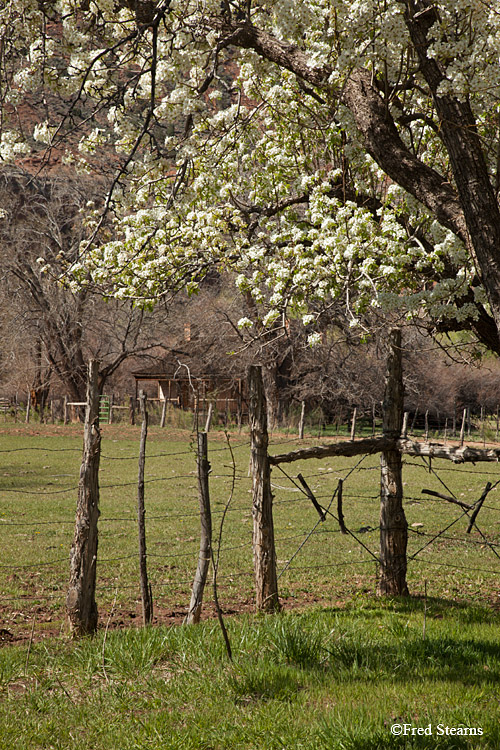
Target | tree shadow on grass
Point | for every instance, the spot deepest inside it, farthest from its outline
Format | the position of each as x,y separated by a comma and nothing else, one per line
373,606
468,662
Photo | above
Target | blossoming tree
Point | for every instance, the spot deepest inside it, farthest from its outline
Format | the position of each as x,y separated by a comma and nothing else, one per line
323,150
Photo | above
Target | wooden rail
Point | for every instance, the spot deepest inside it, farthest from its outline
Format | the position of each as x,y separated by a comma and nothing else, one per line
457,454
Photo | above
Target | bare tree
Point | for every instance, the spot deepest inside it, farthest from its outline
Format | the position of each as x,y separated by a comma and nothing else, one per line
49,328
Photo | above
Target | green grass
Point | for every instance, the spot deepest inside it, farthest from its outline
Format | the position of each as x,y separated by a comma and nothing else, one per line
38,480
336,678
335,670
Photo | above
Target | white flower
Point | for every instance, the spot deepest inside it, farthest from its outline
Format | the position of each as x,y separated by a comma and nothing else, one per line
271,317
314,339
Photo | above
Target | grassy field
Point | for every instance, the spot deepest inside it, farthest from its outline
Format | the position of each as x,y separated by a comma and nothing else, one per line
38,482
335,670
337,678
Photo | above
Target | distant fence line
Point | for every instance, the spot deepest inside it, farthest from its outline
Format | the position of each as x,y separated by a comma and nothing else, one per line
426,422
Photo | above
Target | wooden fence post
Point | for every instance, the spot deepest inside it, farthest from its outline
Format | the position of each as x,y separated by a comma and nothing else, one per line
205,554
353,423
264,553
302,419
81,606
132,410
28,408
146,595
163,413
404,430
462,429
208,421
393,525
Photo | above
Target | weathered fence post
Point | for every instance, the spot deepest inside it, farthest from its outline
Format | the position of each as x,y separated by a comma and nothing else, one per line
208,422
146,595
205,554
81,606
28,408
132,410
462,429
353,423
163,413
393,525
404,430
264,553
302,419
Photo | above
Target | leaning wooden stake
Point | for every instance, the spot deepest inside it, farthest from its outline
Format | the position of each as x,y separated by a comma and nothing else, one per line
163,413
208,421
353,424
81,606
393,525
302,419
478,507
205,554
340,512
146,594
264,553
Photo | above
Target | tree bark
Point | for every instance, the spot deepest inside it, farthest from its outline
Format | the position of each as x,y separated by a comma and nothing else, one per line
81,606
393,525
205,553
264,553
146,597
458,130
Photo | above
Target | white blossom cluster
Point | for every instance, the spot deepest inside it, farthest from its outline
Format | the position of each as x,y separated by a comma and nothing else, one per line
246,167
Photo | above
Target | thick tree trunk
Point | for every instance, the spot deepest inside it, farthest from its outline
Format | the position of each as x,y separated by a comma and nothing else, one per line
459,133
471,210
393,525
80,601
264,553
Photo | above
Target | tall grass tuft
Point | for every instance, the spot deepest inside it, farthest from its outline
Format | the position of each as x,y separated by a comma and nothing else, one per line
294,641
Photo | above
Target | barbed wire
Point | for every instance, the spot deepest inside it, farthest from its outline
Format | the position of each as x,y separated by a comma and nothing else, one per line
290,567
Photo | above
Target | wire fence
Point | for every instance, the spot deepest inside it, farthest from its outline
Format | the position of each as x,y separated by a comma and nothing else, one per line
316,562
